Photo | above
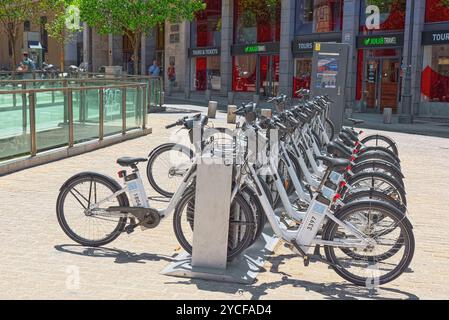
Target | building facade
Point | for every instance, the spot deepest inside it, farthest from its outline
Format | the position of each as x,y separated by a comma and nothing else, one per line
33,38
398,49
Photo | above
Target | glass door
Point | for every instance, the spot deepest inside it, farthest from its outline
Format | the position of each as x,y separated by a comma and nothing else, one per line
382,82
268,75
389,84
371,85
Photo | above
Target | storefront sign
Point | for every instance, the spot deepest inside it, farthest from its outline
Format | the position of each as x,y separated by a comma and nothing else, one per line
435,37
380,41
271,47
302,46
204,52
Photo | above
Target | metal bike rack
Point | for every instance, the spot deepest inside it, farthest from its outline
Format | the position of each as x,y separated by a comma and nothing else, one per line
211,229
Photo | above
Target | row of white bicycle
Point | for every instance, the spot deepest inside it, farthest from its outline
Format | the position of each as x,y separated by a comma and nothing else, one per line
333,198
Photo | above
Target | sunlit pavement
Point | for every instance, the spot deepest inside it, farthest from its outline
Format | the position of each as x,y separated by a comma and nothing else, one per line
39,262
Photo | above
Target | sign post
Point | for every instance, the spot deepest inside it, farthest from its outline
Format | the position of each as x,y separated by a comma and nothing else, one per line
329,69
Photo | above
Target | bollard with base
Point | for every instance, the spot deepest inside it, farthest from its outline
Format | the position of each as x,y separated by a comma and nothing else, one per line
232,117
212,109
267,113
388,113
231,97
211,232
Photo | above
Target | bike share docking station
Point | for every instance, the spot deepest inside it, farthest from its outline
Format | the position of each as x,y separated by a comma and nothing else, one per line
211,231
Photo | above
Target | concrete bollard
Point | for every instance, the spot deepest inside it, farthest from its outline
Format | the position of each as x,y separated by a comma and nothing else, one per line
256,98
208,95
212,110
231,97
267,113
388,113
232,118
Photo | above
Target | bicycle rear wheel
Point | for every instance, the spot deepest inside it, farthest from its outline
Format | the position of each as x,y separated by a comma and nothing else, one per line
78,223
241,223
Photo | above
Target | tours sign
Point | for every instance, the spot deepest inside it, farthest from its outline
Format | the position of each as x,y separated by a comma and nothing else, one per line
204,52
435,37
380,41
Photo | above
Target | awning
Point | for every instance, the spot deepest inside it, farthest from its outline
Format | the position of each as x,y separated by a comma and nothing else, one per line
35,45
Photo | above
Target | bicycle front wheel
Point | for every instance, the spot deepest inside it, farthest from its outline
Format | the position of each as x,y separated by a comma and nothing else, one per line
390,253
166,167
242,224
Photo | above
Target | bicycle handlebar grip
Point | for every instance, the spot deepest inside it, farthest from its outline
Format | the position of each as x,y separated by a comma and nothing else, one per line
171,125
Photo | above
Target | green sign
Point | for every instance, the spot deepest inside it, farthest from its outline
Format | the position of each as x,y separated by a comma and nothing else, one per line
255,49
380,41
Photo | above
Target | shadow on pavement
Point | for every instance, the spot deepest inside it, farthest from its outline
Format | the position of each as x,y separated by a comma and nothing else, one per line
329,291
120,256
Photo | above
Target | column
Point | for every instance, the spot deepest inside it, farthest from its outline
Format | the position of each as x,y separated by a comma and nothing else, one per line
227,36
177,39
351,18
148,49
87,54
115,54
417,54
412,59
286,63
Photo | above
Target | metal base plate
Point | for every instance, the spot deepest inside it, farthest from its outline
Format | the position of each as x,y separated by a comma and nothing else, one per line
243,269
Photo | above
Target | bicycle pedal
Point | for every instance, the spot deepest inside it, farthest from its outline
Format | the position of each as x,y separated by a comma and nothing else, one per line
130,229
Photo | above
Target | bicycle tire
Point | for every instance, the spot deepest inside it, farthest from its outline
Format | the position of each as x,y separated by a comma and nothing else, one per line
112,185
380,177
157,153
331,228
377,137
243,243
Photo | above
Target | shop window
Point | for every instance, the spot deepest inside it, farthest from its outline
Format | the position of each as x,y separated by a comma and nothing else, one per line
303,72
257,21
207,73
392,14
206,28
317,16
435,74
244,73
437,11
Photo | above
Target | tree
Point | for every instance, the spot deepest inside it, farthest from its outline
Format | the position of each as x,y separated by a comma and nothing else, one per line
134,18
64,23
13,13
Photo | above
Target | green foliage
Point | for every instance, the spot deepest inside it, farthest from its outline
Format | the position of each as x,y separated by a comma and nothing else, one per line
57,27
135,16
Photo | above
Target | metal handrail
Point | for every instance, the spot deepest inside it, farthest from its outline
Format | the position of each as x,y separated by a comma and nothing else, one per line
141,88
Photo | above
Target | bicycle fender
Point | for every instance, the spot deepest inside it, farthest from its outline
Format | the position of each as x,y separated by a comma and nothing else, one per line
89,174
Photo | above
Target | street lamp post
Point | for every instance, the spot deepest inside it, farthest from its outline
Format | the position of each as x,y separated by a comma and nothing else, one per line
406,101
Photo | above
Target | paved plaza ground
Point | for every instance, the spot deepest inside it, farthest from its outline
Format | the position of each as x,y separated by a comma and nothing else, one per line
38,261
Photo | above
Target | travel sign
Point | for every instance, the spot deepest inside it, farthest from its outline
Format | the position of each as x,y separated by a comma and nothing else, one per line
269,47
380,41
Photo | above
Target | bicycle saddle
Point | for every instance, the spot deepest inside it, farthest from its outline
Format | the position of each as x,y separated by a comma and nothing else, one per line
356,121
130,162
337,151
334,163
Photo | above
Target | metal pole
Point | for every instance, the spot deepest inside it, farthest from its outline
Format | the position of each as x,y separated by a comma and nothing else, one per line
406,116
32,97
70,114
144,108
24,107
101,114
124,111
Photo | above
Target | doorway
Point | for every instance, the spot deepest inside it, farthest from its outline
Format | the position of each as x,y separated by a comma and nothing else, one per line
268,75
382,82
